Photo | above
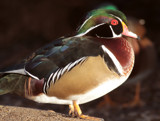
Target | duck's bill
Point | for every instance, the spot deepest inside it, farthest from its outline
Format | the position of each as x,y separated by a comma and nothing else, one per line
128,33
131,34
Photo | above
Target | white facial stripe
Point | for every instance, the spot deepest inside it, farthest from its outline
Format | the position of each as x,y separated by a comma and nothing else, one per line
85,22
114,59
114,35
116,17
79,35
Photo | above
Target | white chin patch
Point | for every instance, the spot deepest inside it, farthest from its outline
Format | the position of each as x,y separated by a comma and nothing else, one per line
114,34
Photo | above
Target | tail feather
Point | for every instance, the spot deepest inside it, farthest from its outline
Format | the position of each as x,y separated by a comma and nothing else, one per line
20,84
11,82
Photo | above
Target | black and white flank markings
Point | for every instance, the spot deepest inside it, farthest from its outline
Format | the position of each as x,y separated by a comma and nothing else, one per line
60,72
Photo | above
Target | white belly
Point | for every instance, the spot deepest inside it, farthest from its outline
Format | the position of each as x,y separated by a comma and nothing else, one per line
100,91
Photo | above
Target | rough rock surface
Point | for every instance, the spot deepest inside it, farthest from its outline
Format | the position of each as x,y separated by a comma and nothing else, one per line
12,113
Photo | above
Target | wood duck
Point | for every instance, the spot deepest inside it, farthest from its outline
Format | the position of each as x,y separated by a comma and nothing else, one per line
145,62
78,69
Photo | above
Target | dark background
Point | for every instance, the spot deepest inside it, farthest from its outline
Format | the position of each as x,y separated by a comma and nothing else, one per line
27,25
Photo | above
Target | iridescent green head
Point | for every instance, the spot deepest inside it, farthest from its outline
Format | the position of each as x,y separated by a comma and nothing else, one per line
105,23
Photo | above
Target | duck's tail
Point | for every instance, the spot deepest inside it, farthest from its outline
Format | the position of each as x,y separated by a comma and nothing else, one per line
12,83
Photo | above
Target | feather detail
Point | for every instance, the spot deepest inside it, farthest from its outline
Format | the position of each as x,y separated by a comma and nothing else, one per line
19,71
54,77
35,77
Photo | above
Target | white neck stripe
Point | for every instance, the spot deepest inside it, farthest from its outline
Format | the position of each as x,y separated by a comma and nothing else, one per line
114,59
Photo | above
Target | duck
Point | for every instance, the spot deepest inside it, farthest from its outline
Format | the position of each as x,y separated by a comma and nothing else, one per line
77,69
145,64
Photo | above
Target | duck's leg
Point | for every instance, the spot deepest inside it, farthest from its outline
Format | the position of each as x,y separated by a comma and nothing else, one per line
137,100
75,111
71,110
106,101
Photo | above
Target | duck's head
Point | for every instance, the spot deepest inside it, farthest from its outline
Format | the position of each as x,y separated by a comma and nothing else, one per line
105,23
109,26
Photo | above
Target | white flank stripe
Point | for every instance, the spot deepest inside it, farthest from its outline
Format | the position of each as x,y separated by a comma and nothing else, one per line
53,78
65,68
48,81
44,87
19,71
59,74
31,75
76,62
114,59
72,65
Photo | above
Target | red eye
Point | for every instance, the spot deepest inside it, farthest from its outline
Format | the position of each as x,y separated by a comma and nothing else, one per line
114,22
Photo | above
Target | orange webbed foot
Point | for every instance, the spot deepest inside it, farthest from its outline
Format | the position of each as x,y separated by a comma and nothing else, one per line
75,111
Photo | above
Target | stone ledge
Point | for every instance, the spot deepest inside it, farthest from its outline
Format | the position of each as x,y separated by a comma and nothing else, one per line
13,113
